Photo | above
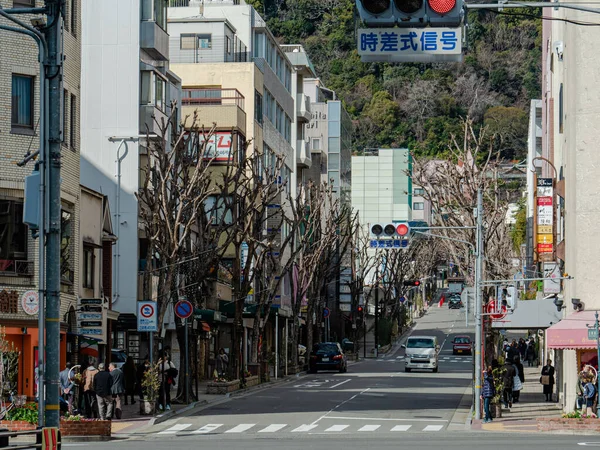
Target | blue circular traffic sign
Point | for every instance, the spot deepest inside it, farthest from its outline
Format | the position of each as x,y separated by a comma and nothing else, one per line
402,299
326,313
183,309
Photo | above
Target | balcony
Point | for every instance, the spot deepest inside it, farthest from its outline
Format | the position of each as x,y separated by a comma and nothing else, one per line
225,107
303,158
151,117
154,40
303,108
13,267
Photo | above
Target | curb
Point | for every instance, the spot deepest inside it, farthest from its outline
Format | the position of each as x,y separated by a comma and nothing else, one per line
465,408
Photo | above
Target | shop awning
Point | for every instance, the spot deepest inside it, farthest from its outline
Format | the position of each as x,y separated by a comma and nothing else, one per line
571,333
530,315
210,316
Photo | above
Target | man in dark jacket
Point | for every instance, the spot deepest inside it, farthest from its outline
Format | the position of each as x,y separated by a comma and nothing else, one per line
102,387
117,388
508,374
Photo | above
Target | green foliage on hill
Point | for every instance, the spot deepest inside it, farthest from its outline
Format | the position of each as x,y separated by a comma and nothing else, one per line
421,105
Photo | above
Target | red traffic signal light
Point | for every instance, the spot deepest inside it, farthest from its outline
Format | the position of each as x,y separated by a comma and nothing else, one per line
359,309
412,283
403,229
442,6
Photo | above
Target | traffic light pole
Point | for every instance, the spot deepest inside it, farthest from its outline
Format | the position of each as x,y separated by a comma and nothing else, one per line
377,312
478,304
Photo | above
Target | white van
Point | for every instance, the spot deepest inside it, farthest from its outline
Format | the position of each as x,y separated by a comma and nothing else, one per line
421,353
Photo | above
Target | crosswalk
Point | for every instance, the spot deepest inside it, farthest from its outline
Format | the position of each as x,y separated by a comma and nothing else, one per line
219,428
452,359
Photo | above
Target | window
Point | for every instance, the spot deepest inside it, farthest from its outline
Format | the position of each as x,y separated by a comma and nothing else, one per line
418,191
22,101
418,206
88,267
204,41
13,236
228,45
23,3
65,118
316,144
258,107
187,42
73,123
218,210
160,99
160,13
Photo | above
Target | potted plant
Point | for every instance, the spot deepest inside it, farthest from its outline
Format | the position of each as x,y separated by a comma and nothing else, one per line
150,388
496,405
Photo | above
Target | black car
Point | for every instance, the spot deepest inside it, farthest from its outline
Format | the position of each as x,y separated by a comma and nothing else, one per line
455,302
327,356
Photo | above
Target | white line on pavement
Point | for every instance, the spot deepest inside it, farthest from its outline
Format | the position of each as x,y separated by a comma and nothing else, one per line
175,428
208,428
241,428
273,428
433,427
337,406
339,384
369,428
337,428
401,428
385,419
303,428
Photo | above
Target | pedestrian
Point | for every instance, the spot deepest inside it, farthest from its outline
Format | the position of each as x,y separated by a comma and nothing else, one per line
117,389
522,348
91,404
580,399
141,370
513,351
130,374
102,387
530,352
66,387
488,392
222,362
168,372
547,379
505,347
508,378
518,380
589,394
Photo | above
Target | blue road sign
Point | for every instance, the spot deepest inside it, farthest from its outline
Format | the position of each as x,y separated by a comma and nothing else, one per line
183,309
326,313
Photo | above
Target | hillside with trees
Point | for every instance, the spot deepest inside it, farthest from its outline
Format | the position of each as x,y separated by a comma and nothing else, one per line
420,105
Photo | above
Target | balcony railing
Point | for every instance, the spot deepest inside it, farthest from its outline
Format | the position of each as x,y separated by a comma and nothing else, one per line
179,3
212,96
16,267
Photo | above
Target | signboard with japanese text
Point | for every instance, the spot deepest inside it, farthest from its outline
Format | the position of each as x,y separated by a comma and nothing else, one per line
410,44
147,316
551,272
219,146
545,219
91,318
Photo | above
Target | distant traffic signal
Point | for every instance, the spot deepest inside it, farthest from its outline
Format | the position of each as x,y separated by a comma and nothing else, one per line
360,310
412,283
410,13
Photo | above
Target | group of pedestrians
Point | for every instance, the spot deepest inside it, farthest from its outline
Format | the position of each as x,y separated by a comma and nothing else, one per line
587,392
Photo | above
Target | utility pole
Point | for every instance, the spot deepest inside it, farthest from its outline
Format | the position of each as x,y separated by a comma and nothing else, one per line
54,74
377,312
478,303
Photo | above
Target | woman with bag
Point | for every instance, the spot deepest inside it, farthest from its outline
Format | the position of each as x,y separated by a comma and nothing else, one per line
488,392
518,379
547,379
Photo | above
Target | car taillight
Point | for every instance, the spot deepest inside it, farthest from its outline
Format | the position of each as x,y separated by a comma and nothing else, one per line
313,357
337,357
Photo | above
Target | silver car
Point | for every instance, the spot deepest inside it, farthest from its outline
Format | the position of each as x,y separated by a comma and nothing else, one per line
421,353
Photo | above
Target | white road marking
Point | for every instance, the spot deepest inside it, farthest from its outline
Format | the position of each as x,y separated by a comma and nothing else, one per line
338,405
273,428
401,428
208,428
339,384
175,428
241,428
303,428
433,427
337,428
369,428
385,419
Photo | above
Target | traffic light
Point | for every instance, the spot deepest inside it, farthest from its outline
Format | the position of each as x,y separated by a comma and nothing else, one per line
403,229
412,283
360,310
410,13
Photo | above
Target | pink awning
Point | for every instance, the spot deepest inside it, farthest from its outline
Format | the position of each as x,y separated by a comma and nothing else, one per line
571,333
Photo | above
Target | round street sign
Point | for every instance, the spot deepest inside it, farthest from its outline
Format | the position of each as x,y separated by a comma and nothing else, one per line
183,309
494,313
402,299
147,311
326,313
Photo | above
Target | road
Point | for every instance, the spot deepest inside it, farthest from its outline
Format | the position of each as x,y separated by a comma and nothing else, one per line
375,404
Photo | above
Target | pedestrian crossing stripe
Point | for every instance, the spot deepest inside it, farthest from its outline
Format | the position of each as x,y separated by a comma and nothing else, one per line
275,427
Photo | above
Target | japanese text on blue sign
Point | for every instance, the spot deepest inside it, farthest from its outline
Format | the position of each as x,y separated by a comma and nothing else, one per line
409,41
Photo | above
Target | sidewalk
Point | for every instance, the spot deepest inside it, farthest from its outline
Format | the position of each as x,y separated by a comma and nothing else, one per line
531,406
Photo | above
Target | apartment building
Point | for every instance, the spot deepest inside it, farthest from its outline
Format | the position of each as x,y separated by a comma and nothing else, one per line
127,90
20,135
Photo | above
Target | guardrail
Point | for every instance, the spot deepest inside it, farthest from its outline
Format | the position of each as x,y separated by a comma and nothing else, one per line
45,439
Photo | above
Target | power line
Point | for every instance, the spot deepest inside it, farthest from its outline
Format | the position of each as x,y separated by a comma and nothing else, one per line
556,19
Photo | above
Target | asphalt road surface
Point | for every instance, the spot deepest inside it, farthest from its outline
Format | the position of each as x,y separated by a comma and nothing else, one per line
374,405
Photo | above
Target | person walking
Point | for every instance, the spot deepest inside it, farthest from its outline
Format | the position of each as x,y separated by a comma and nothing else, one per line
91,404
530,353
488,392
130,374
522,348
518,379
103,389
117,389
66,387
513,351
222,362
508,378
589,394
547,379
167,379
580,399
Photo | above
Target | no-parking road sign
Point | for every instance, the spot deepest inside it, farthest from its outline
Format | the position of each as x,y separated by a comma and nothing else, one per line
183,309
147,316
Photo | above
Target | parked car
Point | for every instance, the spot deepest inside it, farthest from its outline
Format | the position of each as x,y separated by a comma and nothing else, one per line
327,356
462,344
421,353
119,357
455,303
